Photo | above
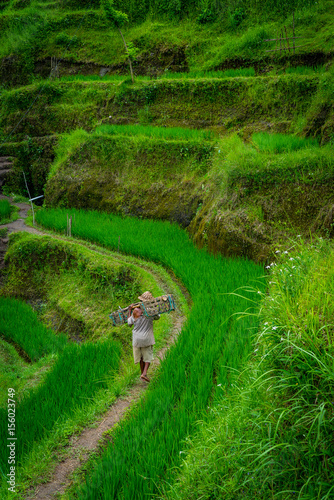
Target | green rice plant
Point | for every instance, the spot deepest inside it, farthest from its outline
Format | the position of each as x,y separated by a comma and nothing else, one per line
271,437
279,143
175,133
5,209
181,393
80,371
304,70
19,324
97,78
229,73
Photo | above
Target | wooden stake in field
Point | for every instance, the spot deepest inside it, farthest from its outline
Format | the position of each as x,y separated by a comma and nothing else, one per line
69,226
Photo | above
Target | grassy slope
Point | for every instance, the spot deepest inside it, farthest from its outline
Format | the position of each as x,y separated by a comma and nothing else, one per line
233,197
200,54
206,45
272,437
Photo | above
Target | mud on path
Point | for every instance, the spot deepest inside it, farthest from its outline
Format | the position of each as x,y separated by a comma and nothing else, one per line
81,446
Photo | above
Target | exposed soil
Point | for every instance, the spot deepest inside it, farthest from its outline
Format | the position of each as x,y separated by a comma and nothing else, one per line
80,447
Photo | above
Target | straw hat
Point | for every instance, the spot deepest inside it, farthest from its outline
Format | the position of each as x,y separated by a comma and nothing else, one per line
146,296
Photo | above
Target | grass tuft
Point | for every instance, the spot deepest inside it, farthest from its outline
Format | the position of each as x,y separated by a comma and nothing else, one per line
279,143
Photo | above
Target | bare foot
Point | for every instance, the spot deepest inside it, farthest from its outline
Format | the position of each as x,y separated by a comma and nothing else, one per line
144,377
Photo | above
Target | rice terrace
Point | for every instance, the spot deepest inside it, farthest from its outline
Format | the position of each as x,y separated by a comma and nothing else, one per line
166,249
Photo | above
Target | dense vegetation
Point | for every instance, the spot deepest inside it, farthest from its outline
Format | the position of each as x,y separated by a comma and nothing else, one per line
73,290
227,132
271,437
193,366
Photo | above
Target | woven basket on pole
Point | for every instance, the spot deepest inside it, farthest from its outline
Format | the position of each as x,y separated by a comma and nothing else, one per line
150,308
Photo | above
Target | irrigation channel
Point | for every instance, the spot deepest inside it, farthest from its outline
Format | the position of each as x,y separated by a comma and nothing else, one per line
197,370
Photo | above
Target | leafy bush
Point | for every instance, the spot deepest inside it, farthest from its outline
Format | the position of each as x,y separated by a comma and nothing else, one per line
206,16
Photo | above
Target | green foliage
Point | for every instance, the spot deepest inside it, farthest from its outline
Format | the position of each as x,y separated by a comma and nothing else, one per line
278,143
241,164
64,40
236,17
176,400
206,16
79,4
34,262
20,4
175,133
77,375
66,146
115,17
170,8
228,73
272,436
5,209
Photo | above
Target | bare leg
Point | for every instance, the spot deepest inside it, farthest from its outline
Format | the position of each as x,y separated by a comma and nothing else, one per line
142,365
144,372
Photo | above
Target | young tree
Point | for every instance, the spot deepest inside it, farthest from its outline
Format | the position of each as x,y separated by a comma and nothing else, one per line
117,19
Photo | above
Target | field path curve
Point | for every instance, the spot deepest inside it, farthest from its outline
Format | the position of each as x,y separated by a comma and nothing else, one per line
81,446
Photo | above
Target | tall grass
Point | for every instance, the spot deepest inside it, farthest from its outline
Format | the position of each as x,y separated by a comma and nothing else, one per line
229,73
279,143
19,324
5,209
273,436
79,372
192,367
175,133
304,70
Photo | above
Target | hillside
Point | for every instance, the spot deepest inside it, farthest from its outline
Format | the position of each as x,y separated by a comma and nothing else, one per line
208,175
200,67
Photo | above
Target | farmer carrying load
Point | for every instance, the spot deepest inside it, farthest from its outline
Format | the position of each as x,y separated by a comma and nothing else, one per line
142,335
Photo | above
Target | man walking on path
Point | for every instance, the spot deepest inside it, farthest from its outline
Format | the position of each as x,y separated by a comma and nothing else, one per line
142,336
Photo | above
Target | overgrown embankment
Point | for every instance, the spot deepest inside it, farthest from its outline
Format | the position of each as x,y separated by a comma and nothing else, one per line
235,198
223,104
163,36
272,437
146,177
73,288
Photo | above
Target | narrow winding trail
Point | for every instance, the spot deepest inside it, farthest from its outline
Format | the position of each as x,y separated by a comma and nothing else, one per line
80,447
